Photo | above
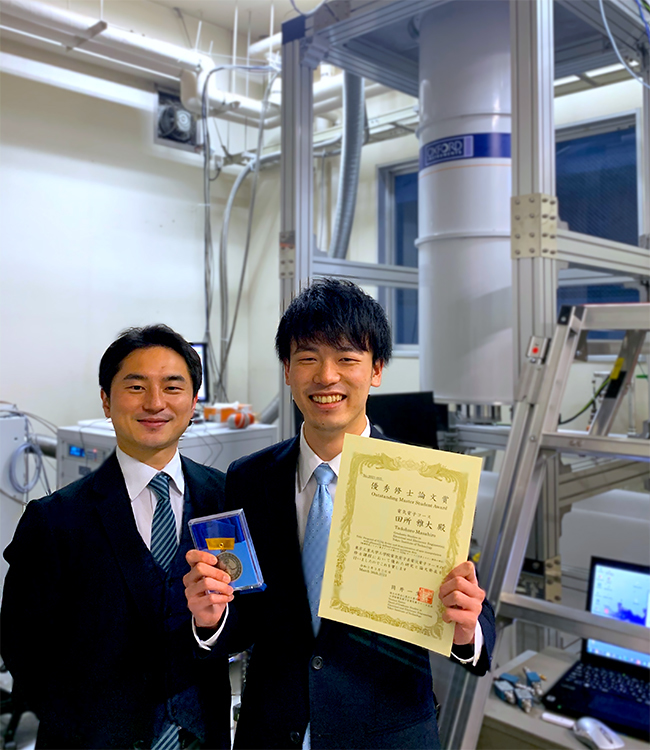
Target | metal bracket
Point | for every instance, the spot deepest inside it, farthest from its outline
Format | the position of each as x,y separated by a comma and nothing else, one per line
287,255
86,36
533,226
313,51
553,579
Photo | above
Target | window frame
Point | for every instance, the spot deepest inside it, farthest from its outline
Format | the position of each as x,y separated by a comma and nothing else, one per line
386,174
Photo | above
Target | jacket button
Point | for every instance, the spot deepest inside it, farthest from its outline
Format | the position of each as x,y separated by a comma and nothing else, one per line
138,744
317,662
295,738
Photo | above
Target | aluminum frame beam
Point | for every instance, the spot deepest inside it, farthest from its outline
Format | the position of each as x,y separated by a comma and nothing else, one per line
573,622
297,194
594,252
401,277
623,19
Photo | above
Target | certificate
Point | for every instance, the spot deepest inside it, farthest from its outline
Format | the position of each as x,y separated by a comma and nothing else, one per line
402,519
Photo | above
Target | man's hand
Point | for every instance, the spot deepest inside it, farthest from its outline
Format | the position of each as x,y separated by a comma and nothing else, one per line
462,597
206,589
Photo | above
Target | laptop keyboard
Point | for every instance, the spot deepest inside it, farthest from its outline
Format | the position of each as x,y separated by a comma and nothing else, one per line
602,680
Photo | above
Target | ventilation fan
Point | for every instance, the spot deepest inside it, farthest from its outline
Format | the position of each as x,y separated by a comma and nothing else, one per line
175,123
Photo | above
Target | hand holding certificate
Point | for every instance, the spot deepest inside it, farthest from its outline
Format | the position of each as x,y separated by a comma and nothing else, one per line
402,521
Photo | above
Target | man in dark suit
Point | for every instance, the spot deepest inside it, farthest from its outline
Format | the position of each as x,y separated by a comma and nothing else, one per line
95,628
313,683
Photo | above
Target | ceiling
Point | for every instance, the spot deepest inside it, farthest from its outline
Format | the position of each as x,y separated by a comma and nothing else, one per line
256,12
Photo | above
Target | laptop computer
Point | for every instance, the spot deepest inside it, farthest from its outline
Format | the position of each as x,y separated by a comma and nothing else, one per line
609,682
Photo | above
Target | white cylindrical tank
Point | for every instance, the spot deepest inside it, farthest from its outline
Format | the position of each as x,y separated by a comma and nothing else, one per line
465,297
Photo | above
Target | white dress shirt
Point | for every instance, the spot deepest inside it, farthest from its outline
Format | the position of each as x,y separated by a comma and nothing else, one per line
143,499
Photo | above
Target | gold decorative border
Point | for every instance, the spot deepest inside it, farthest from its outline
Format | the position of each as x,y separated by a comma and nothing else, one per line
360,461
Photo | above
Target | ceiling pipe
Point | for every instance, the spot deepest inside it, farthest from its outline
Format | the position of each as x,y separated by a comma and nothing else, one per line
265,45
78,26
74,30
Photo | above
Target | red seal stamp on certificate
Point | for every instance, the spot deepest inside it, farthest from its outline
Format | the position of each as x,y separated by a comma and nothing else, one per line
425,595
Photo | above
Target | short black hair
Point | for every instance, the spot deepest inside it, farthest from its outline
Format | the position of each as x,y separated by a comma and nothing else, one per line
334,311
145,338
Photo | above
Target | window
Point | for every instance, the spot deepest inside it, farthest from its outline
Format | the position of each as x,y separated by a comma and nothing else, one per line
398,212
596,168
597,187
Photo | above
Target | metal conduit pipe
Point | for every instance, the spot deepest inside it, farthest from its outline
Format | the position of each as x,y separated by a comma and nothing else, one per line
271,412
47,444
93,35
353,136
85,28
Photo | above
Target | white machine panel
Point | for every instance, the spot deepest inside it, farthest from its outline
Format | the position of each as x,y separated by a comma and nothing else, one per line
84,447
12,436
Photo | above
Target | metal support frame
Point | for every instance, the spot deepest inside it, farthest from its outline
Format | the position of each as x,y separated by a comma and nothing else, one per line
645,155
297,199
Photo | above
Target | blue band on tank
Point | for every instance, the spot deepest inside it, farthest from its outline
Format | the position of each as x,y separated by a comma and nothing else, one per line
470,146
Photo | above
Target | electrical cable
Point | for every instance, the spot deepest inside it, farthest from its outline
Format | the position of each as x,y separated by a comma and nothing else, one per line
615,48
308,13
212,369
28,486
20,413
584,408
249,228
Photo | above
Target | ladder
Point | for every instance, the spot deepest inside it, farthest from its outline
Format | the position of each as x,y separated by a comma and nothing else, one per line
535,440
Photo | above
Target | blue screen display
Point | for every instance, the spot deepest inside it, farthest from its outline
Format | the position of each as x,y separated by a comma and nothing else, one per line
620,595
76,451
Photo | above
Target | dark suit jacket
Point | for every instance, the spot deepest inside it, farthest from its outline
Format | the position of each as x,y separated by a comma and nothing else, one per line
357,689
96,636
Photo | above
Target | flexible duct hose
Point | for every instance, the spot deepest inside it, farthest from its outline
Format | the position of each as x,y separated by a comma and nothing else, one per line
353,137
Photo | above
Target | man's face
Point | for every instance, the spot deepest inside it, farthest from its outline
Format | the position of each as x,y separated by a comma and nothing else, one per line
151,404
330,385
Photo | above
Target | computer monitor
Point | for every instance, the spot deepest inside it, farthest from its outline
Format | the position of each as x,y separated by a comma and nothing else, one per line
412,418
201,348
620,591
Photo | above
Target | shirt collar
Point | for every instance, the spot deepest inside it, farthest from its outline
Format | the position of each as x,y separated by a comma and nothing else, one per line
138,475
308,460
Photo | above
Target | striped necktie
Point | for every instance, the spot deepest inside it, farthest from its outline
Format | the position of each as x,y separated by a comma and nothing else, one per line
163,525
317,534
163,549
168,739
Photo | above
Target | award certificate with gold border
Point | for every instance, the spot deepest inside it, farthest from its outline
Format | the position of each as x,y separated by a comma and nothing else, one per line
402,520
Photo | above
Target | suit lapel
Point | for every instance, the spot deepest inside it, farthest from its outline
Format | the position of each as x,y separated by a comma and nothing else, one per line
142,576
282,482
284,502
194,505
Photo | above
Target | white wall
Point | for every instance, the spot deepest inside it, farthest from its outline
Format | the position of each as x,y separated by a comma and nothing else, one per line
100,228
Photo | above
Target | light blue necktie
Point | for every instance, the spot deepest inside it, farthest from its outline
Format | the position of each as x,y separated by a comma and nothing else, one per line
167,739
163,525
316,536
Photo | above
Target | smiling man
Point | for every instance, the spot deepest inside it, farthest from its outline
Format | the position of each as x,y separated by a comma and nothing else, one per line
318,683
95,628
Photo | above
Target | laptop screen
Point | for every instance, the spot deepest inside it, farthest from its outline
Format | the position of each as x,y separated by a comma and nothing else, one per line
620,591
